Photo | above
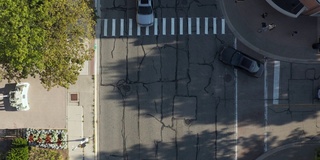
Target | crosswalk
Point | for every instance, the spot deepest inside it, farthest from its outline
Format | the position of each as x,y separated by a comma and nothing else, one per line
176,26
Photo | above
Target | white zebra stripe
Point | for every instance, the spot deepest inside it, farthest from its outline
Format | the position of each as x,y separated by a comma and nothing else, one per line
164,25
223,24
214,25
181,26
172,26
198,25
121,27
130,27
189,25
114,27
155,26
206,25
105,27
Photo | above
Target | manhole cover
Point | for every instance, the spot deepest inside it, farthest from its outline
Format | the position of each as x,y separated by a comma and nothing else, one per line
227,78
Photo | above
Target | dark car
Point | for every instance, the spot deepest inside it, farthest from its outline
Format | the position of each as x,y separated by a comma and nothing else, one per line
231,56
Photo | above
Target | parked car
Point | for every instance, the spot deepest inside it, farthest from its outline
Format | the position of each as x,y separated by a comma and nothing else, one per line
145,15
233,57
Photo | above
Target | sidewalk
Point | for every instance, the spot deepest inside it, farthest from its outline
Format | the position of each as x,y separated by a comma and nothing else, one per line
80,118
244,19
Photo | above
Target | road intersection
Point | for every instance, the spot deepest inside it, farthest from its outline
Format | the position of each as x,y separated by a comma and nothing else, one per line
168,96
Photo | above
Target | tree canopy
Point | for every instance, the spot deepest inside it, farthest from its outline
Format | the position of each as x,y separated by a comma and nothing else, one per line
48,39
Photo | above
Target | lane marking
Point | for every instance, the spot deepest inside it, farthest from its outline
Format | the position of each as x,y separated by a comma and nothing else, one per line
181,26
113,27
236,106
206,25
130,27
105,27
265,108
276,79
236,113
164,26
223,24
138,30
214,25
121,26
155,26
172,26
189,25
198,25
147,30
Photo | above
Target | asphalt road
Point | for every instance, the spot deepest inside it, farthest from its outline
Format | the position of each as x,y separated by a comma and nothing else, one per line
167,96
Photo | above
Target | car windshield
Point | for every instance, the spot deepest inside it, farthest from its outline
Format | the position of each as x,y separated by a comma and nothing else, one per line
246,62
251,66
144,10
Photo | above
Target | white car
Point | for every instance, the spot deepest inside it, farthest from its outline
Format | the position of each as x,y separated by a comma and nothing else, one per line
19,97
145,15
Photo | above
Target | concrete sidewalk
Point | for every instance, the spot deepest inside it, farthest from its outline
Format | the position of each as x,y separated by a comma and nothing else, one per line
244,19
80,118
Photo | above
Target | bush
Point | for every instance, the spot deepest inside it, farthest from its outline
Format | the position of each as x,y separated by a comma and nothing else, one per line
19,150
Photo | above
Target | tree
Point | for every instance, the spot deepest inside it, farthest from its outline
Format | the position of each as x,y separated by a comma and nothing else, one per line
19,150
48,39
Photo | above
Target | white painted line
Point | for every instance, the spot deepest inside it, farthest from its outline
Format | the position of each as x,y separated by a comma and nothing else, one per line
235,43
172,26
214,25
121,26
130,27
206,27
189,25
113,27
198,25
147,30
155,26
265,108
138,30
236,113
96,75
181,26
236,136
223,25
276,78
105,27
164,25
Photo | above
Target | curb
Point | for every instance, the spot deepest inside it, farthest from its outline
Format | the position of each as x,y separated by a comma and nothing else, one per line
281,148
254,48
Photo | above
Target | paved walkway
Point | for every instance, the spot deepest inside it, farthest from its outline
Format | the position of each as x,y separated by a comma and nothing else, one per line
80,119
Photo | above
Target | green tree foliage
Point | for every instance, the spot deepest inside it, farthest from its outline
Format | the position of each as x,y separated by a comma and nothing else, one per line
45,38
19,150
